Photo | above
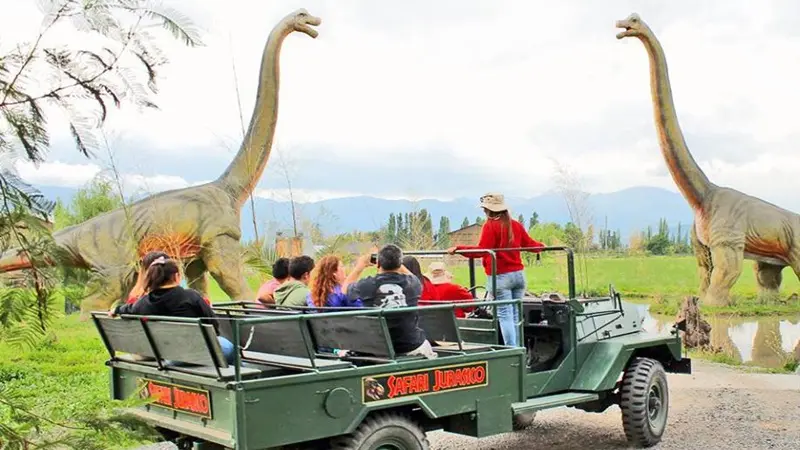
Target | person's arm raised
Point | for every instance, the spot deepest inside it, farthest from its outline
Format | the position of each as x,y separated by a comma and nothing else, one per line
361,263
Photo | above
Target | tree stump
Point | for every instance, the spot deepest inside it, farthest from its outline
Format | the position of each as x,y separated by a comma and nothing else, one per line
698,330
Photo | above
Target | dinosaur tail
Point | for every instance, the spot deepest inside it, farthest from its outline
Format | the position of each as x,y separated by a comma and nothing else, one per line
12,261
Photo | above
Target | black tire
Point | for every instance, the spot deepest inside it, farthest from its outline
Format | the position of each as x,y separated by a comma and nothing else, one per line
644,401
523,420
385,431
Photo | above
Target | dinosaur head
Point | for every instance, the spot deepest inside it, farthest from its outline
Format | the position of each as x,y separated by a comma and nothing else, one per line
633,26
302,21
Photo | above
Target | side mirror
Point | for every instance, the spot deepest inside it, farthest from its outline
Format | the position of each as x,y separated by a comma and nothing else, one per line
575,305
680,325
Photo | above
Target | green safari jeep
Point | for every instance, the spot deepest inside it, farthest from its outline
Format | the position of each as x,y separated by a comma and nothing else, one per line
287,389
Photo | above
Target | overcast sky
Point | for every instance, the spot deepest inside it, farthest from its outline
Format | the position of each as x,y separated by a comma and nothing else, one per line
442,99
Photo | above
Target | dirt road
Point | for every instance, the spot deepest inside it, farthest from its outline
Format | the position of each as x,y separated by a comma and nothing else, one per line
716,407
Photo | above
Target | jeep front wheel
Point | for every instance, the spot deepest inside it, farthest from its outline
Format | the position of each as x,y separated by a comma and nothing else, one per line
644,400
384,431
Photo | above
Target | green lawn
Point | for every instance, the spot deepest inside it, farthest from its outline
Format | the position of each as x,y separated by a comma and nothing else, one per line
64,379
653,277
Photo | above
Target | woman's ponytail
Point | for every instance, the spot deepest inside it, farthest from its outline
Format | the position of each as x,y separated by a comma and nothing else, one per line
160,272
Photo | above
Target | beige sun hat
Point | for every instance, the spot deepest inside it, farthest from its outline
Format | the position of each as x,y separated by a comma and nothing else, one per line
438,274
494,202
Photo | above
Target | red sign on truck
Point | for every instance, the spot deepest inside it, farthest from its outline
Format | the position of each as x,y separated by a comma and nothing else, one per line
177,398
426,381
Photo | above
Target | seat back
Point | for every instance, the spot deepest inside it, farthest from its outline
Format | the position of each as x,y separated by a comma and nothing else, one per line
362,334
121,335
438,324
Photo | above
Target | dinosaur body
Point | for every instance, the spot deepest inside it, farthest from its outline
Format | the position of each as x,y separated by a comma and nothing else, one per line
729,226
199,224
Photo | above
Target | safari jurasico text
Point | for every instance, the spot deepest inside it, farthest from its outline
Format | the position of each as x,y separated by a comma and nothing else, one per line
433,380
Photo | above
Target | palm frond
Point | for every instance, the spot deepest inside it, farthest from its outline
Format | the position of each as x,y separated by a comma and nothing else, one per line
173,21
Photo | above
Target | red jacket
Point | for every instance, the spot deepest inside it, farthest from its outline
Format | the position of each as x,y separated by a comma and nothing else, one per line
495,235
445,292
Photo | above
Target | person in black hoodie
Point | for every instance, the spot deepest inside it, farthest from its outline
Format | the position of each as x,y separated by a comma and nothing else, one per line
166,297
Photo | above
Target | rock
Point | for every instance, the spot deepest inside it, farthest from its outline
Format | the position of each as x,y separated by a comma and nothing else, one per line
698,330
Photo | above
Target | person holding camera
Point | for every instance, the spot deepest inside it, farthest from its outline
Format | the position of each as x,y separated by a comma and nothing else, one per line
394,286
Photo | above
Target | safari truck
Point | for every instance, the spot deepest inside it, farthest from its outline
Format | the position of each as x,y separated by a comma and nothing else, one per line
287,389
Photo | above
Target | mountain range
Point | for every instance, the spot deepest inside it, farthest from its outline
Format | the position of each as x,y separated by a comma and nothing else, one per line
629,211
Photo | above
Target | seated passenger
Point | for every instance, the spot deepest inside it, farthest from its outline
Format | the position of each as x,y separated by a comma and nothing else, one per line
165,297
139,288
428,290
446,291
329,285
393,287
280,273
294,291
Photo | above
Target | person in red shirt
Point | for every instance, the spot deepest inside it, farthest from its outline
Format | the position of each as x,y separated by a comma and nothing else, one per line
437,286
501,231
446,291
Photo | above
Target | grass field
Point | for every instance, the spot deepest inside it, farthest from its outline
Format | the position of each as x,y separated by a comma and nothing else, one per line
663,280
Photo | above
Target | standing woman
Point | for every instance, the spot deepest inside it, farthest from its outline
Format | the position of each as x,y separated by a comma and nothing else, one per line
501,231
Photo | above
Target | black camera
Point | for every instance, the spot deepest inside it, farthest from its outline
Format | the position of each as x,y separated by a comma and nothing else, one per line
373,259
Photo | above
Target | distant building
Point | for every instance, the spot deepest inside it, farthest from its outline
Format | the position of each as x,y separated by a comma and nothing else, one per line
469,235
288,246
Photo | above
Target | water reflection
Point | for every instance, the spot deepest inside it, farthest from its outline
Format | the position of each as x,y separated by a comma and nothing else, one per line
761,341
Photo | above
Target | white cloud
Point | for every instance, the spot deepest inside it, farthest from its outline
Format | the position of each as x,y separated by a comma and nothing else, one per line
483,80
78,175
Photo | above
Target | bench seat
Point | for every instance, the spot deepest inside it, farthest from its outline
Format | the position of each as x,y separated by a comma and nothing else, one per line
294,361
226,373
465,346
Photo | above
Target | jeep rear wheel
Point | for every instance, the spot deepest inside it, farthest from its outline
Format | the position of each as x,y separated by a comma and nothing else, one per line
384,431
644,400
522,421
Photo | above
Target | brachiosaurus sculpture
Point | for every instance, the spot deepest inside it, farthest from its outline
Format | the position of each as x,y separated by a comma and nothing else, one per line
729,225
200,224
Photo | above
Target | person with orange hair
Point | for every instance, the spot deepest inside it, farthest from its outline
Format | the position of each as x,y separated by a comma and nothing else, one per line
329,285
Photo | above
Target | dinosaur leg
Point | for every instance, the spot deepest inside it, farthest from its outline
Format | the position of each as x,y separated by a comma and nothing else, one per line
196,276
727,266
703,256
768,277
223,258
105,288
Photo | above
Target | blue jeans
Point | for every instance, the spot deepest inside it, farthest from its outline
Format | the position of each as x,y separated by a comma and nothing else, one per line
510,286
227,349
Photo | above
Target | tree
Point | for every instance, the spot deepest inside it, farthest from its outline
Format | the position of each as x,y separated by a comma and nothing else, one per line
92,200
443,234
465,222
573,236
521,219
577,202
479,220
534,220
391,230
38,78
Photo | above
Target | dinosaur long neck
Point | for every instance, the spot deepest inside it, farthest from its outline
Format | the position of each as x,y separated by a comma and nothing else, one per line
243,173
686,173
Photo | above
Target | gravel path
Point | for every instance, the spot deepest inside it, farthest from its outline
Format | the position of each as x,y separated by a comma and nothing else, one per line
716,407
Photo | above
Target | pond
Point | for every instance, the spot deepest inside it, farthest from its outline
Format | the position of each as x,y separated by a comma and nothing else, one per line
760,341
